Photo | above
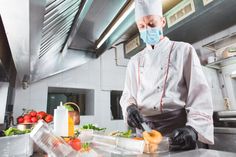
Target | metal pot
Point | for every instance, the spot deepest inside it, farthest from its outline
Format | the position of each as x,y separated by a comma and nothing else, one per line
75,115
24,126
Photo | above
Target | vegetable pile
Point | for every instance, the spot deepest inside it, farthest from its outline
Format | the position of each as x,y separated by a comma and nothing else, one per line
31,116
14,131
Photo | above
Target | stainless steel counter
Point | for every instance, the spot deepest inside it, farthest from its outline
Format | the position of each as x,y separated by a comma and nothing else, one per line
192,153
201,153
225,139
224,130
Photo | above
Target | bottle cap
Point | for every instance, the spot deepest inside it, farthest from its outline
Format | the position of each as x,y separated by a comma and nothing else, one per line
61,106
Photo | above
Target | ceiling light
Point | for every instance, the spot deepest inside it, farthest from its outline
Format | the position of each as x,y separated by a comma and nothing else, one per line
118,22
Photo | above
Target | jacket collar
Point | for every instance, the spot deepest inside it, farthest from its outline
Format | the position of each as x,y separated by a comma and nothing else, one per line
162,43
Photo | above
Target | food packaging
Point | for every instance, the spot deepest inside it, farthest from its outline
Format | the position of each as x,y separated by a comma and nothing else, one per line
118,145
16,145
53,145
86,135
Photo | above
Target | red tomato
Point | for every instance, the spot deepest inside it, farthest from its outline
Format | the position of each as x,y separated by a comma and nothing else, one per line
27,116
41,114
75,143
20,120
34,120
27,121
48,118
33,113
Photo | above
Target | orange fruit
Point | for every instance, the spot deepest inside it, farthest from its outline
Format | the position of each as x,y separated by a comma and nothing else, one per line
152,137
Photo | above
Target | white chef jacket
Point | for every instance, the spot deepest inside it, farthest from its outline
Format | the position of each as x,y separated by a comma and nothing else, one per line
186,85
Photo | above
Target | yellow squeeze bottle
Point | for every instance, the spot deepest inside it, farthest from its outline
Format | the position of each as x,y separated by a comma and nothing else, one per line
71,126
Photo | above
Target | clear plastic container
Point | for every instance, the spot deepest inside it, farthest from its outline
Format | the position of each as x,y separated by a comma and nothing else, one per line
53,145
17,145
86,135
118,145
162,147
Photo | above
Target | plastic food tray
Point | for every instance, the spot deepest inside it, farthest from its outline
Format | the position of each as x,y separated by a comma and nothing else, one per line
17,145
118,145
126,146
54,145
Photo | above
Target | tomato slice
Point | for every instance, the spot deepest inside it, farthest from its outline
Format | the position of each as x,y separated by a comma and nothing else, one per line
75,143
137,138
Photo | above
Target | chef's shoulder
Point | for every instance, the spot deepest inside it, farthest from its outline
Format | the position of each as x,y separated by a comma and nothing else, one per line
135,59
184,47
188,52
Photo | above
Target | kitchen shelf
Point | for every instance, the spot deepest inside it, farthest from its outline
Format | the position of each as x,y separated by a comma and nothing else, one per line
233,76
221,63
220,43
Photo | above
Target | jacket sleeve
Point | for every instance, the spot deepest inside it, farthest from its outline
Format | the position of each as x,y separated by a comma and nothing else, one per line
130,89
199,105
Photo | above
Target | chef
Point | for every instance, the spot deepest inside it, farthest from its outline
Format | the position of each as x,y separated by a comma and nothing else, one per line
165,86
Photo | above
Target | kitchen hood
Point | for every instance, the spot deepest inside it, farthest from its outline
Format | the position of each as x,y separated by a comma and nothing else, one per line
47,37
39,32
7,67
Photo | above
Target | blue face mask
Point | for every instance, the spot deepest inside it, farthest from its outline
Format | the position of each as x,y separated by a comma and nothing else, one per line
151,36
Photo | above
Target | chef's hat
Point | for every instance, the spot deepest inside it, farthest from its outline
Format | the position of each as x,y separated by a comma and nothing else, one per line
147,7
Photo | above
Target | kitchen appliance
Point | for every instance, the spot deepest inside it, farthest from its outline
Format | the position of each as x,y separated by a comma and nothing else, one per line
224,131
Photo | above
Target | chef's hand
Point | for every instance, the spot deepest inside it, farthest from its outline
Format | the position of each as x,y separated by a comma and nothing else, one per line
183,139
134,119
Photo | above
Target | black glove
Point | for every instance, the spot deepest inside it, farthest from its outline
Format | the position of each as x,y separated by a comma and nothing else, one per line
134,119
183,139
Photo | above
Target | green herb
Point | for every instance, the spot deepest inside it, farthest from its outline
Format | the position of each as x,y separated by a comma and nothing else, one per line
126,134
93,127
14,131
85,145
69,108
77,133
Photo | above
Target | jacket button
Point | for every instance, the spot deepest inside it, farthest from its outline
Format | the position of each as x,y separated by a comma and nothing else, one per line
154,107
158,89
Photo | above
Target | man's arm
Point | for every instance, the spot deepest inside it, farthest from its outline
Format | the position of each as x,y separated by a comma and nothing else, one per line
130,89
199,105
